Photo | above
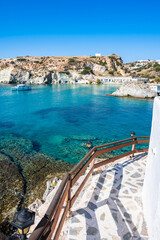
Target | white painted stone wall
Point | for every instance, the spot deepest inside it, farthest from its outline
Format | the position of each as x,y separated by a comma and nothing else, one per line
151,189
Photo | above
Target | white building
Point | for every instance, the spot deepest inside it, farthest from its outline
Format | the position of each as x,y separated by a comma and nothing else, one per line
121,79
154,88
151,188
98,54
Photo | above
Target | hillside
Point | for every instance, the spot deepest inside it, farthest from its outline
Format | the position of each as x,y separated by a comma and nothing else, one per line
147,69
47,70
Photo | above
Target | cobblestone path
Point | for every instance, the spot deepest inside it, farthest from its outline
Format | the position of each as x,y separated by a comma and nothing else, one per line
109,206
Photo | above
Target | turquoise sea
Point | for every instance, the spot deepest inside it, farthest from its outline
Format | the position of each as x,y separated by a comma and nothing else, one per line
59,119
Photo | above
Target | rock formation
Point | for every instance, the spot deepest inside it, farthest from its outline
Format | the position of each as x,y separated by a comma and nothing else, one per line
50,70
138,90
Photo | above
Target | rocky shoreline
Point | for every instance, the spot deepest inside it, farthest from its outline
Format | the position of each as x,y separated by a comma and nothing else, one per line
23,175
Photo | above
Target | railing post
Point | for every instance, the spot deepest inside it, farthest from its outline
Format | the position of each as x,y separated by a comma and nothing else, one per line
133,146
69,196
92,162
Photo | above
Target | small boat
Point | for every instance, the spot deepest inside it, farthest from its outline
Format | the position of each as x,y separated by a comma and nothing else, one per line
21,87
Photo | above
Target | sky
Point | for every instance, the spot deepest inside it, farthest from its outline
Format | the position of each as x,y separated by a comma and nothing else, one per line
130,29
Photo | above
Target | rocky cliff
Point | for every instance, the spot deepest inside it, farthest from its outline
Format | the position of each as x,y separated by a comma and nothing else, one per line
50,70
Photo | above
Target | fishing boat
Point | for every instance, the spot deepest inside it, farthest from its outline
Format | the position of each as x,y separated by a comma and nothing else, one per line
21,87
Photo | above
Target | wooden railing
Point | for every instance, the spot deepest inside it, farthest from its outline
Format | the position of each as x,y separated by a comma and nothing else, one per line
52,222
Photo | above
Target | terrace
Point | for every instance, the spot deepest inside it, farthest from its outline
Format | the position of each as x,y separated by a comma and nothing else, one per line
100,198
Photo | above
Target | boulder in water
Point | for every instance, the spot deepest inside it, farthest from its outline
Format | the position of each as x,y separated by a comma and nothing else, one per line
137,90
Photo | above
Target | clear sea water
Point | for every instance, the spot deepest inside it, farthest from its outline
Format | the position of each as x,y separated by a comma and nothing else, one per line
59,119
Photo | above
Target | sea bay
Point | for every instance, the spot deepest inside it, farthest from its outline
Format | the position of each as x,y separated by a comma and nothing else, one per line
59,119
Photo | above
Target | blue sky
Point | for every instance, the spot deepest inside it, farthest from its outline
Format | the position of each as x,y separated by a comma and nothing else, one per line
130,29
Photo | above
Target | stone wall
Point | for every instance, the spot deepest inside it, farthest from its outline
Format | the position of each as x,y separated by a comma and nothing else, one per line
151,190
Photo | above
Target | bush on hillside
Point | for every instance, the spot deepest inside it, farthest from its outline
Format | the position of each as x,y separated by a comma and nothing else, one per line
98,81
111,72
65,72
70,60
156,67
157,79
87,70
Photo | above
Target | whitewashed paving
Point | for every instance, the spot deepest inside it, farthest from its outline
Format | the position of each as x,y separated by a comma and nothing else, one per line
109,206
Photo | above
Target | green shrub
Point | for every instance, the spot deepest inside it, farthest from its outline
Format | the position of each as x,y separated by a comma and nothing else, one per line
21,59
65,72
70,60
119,63
145,75
102,63
149,65
92,56
112,58
157,79
156,67
98,81
111,72
87,70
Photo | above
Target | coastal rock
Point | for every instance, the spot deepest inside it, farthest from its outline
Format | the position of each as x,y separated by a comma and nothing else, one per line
24,173
75,75
40,207
89,77
37,80
38,168
3,237
50,186
138,90
98,68
11,187
5,75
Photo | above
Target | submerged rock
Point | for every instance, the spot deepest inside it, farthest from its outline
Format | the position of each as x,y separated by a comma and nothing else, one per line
11,187
3,237
83,137
37,169
12,142
24,173
138,90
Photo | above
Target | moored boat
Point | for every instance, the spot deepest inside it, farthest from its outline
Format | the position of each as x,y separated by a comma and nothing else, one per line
21,87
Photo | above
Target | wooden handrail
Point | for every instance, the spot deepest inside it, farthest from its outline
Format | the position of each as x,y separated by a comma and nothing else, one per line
39,230
112,143
49,224
78,165
53,205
